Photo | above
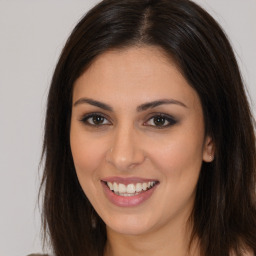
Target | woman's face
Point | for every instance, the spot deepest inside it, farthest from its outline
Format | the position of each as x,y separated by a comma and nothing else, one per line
137,140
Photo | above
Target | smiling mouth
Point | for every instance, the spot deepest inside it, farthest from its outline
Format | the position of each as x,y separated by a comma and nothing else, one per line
132,189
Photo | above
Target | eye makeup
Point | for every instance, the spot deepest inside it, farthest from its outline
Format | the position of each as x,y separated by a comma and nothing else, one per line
95,119
156,120
160,121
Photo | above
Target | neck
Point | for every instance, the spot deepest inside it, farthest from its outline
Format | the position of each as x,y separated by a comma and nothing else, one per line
167,240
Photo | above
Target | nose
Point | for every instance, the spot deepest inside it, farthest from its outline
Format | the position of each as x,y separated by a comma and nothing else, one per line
125,151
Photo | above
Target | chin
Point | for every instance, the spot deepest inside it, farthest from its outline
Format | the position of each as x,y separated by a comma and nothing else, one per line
129,225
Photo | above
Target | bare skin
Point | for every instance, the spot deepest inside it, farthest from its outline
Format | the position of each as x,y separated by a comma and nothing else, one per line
116,131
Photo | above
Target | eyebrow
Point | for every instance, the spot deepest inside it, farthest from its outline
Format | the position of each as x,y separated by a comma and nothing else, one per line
156,103
94,103
140,108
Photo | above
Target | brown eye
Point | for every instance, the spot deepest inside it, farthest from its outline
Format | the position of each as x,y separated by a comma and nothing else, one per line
161,121
95,120
98,120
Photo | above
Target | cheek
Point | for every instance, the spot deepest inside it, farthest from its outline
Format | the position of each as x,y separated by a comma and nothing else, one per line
179,161
88,154
87,157
179,155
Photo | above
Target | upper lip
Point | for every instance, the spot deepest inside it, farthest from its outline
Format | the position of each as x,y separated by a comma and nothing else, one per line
127,180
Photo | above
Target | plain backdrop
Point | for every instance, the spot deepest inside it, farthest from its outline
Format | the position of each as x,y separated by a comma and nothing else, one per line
32,34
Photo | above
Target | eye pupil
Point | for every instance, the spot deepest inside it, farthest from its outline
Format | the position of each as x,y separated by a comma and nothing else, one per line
159,121
98,119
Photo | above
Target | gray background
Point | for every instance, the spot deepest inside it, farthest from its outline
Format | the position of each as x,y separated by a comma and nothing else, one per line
32,34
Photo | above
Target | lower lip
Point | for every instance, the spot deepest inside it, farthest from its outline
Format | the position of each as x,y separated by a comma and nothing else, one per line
127,201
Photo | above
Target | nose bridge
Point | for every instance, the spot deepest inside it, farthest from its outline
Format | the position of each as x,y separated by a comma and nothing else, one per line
125,151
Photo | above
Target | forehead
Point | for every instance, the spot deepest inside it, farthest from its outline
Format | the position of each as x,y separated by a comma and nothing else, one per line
139,61
140,73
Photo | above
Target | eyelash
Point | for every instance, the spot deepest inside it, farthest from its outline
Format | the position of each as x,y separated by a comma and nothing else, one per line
166,118
85,119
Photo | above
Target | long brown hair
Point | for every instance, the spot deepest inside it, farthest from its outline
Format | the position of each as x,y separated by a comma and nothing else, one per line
224,214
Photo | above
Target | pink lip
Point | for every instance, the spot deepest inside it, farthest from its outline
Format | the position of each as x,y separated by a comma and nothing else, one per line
127,201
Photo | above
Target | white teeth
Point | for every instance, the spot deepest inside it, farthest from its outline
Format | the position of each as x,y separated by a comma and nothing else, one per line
115,187
138,187
110,185
122,188
127,194
130,189
144,186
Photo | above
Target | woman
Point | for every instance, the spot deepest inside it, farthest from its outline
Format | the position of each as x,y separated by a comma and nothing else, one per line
149,141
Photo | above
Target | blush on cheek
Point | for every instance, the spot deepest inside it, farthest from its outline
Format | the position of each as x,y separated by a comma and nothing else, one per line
180,157
85,160
87,156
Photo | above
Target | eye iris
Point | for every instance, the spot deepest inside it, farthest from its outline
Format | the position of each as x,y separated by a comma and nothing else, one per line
98,119
159,121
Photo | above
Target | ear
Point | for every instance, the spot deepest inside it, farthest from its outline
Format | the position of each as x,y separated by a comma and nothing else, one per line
208,150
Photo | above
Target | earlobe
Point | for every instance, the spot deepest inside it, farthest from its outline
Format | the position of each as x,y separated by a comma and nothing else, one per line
208,151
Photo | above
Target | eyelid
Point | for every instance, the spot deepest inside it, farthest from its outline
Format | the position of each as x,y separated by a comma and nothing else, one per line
168,117
85,117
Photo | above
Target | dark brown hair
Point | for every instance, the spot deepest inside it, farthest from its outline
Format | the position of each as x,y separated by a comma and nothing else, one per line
224,214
